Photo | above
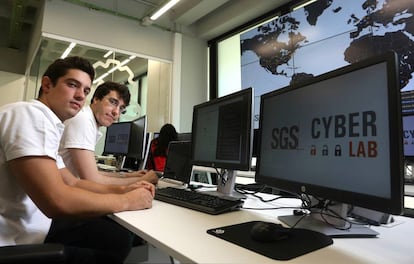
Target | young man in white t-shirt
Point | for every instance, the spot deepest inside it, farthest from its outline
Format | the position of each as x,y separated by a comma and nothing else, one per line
35,185
81,134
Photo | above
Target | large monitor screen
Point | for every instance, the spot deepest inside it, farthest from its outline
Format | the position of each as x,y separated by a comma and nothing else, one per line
222,131
337,136
408,136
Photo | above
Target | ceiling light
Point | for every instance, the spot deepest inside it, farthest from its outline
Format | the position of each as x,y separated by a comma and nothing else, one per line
164,9
146,21
68,50
108,53
304,4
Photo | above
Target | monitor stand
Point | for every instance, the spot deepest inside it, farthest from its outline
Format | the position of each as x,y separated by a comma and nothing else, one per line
225,186
337,227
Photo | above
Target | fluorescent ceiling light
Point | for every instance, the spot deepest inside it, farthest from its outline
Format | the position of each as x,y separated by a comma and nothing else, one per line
108,53
304,4
68,50
164,9
101,77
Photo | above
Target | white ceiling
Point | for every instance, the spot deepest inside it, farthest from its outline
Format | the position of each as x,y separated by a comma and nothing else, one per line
205,19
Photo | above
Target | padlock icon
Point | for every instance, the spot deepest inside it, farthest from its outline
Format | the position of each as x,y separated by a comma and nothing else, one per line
325,150
313,150
338,150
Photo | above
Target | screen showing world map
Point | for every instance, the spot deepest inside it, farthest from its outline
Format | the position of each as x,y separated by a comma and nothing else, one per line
327,35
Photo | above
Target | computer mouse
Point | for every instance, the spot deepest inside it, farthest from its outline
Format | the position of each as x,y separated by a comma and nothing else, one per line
267,232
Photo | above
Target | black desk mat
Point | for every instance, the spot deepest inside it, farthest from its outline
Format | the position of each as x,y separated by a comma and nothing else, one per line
300,241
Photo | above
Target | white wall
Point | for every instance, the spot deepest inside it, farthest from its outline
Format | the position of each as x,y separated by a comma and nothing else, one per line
11,87
159,94
194,79
80,23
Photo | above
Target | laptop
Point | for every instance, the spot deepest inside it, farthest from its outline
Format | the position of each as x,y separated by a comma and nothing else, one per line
178,167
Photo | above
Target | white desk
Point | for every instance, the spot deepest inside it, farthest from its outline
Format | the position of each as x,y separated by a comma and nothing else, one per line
181,233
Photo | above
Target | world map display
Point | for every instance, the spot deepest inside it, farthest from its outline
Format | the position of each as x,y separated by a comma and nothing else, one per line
327,35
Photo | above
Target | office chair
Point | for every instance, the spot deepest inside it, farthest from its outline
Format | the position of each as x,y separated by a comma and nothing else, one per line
32,253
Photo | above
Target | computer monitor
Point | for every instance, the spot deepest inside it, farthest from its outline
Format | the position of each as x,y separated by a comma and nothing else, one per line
117,139
337,138
408,141
126,140
222,136
136,150
408,137
178,164
138,138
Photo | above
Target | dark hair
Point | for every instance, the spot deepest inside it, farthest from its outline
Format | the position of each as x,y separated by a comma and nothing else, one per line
61,66
167,134
108,86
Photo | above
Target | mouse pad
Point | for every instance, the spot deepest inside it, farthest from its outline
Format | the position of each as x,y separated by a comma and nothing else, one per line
299,242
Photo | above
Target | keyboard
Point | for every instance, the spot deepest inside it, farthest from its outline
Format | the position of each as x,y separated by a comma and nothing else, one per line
106,167
198,201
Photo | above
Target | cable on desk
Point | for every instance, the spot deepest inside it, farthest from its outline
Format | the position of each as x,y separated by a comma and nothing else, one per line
270,208
254,189
247,190
221,175
322,208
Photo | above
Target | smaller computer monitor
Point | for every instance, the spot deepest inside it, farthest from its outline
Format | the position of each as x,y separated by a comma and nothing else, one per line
178,165
126,140
222,136
408,137
138,138
117,139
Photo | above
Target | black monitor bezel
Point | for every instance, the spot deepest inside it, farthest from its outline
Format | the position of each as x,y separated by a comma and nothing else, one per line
245,163
134,140
393,205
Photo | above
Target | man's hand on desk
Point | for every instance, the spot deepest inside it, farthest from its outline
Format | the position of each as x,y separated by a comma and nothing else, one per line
139,195
144,175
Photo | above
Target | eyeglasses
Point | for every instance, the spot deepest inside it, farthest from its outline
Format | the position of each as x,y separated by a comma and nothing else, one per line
115,102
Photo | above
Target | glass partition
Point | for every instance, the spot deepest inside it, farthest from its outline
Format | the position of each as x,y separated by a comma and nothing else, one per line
109,65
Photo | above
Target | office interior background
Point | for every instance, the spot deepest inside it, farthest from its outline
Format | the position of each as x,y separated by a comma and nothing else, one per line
199,49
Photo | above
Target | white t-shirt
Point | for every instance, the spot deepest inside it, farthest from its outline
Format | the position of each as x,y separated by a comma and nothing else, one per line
81,132
26,129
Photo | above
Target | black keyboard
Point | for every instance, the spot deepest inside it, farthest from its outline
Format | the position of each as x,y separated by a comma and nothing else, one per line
198,201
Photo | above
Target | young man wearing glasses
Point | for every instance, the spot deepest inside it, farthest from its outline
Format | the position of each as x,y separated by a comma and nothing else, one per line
81,134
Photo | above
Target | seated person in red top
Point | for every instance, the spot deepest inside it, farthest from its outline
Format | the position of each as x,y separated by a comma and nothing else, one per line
159,148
